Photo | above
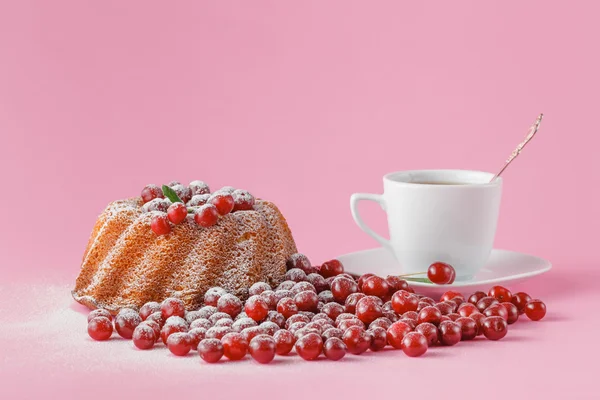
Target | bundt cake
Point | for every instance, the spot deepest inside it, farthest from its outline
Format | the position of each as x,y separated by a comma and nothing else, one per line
135,255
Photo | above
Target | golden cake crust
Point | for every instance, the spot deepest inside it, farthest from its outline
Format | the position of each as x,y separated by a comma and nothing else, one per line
126,265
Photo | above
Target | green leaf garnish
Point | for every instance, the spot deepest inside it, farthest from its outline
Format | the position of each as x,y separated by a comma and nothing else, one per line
422,280
170,194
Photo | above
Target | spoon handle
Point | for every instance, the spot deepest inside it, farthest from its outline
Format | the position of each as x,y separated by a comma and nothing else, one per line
530,134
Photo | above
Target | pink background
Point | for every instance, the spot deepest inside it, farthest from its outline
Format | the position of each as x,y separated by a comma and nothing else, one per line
304,103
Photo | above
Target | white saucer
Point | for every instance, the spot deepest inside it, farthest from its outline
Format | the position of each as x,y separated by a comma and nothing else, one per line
503,268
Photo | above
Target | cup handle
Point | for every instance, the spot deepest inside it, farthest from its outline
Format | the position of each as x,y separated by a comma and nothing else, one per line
354,199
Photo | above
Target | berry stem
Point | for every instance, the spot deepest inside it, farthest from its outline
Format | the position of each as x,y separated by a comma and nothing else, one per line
413,274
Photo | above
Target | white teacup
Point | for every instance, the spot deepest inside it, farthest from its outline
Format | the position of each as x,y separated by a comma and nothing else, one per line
437,215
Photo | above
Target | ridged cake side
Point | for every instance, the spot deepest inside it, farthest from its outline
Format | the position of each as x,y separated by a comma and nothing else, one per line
126,265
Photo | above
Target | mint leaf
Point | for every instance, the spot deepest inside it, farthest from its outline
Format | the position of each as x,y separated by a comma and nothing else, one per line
422,280
170,194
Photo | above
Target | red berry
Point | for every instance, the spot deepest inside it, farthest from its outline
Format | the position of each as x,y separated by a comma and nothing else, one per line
334,348
468,328
352,300
396,283
496,310
430,314
258,287
376,286
223,202
217,332
301,287
361,280
172,325
151,192
414,344
306,300
318,282
450,333
149,309
445,307
160,224
271,298
298,260
179,343
99,313
331,268
494,328
512,312
500,293
226,189
184,193
144,336
296,318
256,308
125,324
396,333
475,297
172,307
177,213
427,300
347,323
381,322
368,310
287,307
224,323
466,309
242,323
357,339
332,332
235,346
198,188
411,315
155,327
211,297
206,215
458,301
451,294
478,318
284,341
269,327
156,317
252,332
229,304
333,310
196,336
295,275
210,350
262,348
100,328
441,273
485,302
453,316
309,346
341,288
242,200
218,316
161,205
198,200
535,310
378,338
520,300
430,331
402,302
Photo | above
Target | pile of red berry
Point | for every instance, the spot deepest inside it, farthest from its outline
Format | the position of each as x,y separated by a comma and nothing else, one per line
196,199
318,310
